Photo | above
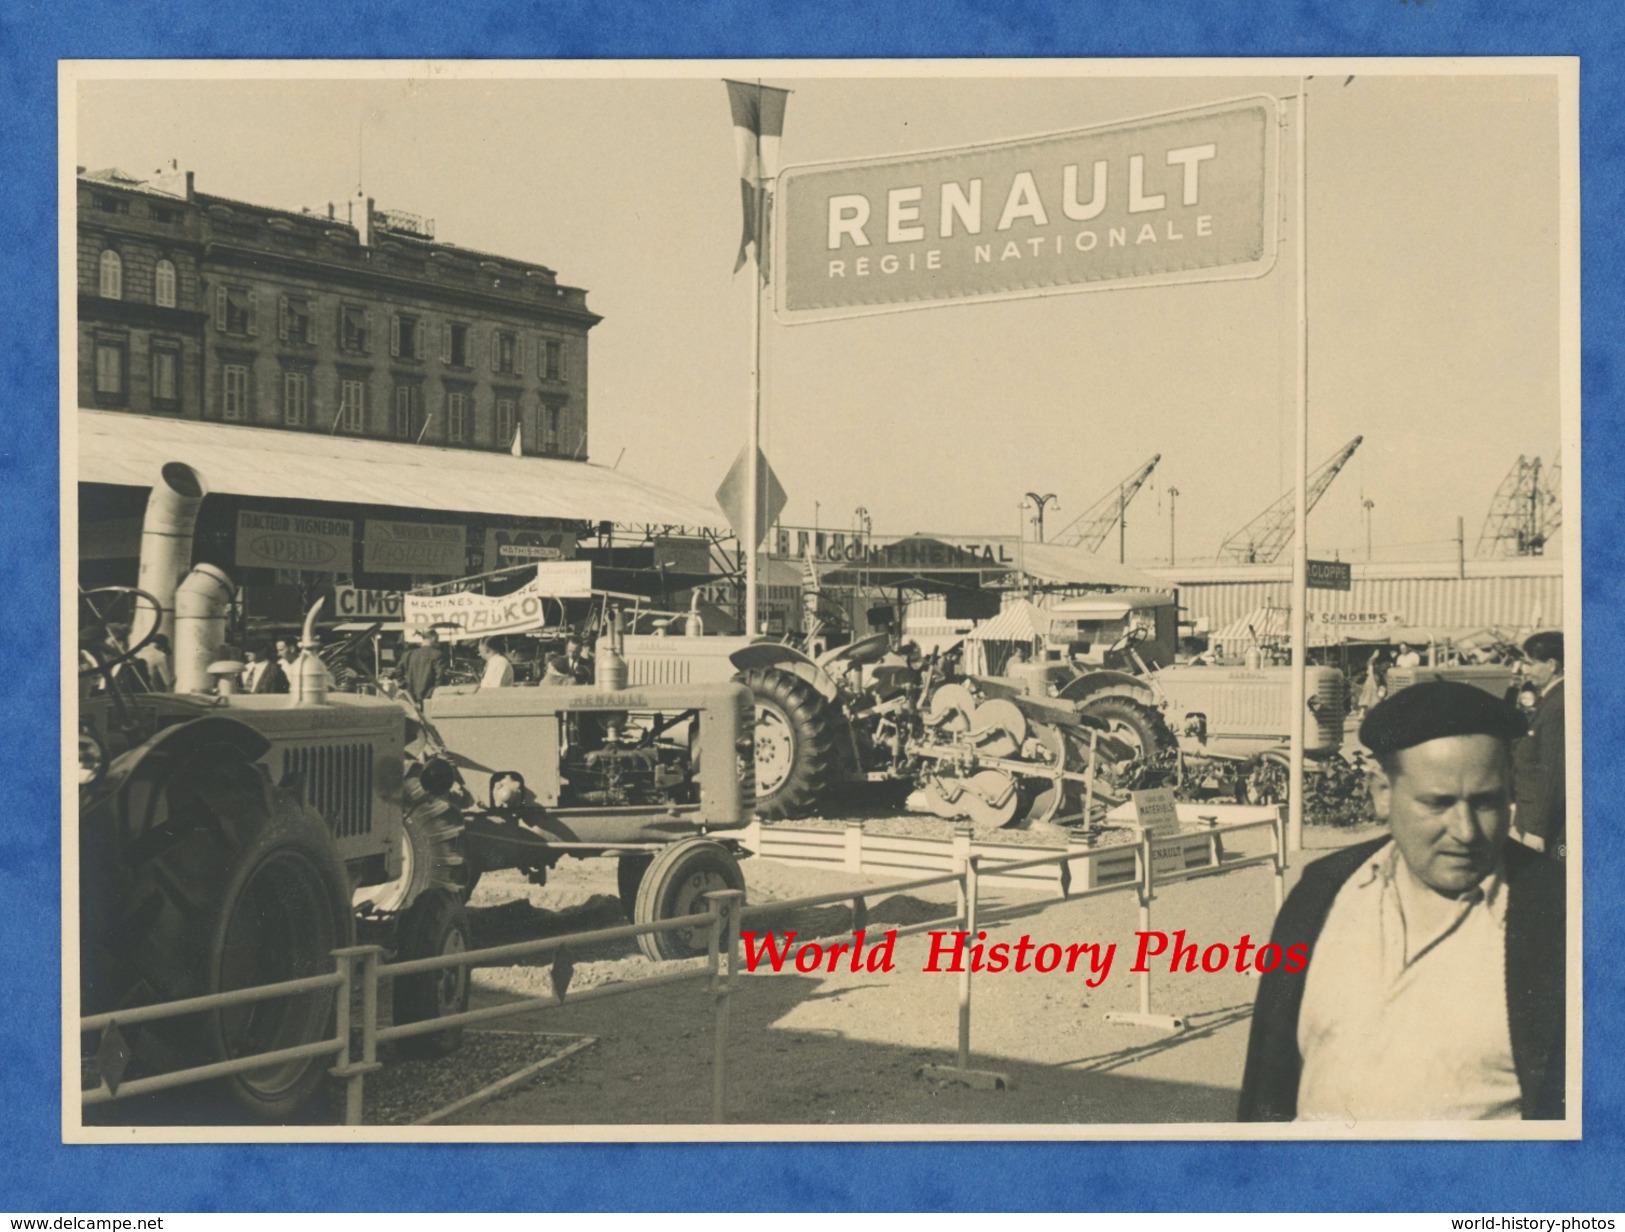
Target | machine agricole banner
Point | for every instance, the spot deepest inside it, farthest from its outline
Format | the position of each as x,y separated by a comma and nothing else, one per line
1181,197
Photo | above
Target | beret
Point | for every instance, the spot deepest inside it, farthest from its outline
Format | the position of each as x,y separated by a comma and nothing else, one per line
1434,709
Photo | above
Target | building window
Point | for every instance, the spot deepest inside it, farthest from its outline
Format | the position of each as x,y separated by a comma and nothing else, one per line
112,275
353,330
405,337
456,344
166,376
506,357
112,363
112,205
405,421
163,283
294,321
295,398
550,429
234,392
505,422
457,417
235,311
554,360
352,405
159,213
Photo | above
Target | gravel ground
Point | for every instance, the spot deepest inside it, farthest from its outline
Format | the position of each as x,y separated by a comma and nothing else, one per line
846,1048
405,1091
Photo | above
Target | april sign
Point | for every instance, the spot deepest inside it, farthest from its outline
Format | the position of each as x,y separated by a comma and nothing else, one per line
1182,197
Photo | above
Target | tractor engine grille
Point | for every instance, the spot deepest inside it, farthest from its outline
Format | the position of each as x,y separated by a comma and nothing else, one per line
336,781
1328,708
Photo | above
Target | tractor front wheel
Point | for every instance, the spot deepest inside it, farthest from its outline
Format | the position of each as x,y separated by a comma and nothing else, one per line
676,885
435,926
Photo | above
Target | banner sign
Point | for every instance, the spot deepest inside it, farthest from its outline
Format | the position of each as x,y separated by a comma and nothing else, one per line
465,616
354,603
1181,197
433,548
682,555
293,541
1330,575
521,547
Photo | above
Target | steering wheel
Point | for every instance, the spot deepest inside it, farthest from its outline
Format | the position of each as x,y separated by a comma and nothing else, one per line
96,627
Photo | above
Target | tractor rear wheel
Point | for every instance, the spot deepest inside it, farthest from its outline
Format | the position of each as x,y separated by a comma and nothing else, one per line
436,924
233,884
795,744
1132,722
676,885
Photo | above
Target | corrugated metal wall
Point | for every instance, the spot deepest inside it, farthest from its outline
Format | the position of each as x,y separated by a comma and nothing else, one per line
1460,603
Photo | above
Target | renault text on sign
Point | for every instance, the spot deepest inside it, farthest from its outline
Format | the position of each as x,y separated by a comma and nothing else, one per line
1183,197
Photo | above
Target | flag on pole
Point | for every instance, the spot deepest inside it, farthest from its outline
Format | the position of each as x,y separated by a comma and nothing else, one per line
758,115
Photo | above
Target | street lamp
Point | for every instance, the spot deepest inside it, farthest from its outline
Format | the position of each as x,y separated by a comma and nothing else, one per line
1368,505
1038,503
864,523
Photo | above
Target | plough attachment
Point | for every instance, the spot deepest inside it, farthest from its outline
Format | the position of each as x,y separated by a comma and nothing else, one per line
1012,761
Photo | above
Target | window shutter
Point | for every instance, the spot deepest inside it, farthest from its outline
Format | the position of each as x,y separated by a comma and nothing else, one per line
394,335
519,354
496,350
339,339
366,330
282,317
312,316
253,315
420,344
445,344
220,308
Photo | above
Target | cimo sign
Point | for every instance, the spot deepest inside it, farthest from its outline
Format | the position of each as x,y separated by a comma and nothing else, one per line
1181,197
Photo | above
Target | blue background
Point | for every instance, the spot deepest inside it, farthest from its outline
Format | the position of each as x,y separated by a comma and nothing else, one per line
39,1174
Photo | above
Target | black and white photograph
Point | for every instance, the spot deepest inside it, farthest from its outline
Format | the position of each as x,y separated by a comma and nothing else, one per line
820,600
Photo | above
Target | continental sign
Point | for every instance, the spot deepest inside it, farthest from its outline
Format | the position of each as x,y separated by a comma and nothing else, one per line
1181,197
292,541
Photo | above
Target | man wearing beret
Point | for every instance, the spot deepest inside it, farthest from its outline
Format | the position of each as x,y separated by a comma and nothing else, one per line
1434,989
1538,774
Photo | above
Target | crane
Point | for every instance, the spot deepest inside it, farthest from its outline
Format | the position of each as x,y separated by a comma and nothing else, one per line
1526,511
1264,538
1090,528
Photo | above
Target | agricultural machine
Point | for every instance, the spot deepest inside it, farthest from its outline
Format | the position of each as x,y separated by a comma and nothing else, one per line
1101,708
228,841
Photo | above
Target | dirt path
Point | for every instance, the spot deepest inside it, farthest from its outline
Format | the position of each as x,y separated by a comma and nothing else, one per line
844,1048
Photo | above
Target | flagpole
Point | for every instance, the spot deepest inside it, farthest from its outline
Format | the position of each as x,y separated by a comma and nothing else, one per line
1300,537
753,447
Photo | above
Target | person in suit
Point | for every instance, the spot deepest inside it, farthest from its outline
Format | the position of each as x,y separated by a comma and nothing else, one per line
1540,789
1431,981
274,679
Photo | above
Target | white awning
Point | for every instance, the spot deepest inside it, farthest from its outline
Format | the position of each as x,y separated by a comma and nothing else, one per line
1070,566
120,448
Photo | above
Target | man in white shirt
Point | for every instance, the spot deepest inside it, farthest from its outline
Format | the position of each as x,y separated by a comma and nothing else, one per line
498,672
1434,985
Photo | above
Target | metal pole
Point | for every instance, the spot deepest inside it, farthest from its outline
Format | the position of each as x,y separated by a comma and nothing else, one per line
1461,549
724,938
1173,496
1145,888
970,891
1300,540
753,470
1122,524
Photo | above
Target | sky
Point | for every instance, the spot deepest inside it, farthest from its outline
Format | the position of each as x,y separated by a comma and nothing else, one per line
1433,273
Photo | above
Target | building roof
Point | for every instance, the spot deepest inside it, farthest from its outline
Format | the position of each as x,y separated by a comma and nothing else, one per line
1071,566
119,448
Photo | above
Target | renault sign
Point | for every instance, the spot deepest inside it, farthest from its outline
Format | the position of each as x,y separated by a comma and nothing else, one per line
1180,197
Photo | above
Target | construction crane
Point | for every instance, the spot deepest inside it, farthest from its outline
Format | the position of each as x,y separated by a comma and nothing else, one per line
1264,538
1090,528
1526,512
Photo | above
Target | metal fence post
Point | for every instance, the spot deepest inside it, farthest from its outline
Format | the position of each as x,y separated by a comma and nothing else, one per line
348,1070
972,889
853,847
724,907
1147,891
1278,831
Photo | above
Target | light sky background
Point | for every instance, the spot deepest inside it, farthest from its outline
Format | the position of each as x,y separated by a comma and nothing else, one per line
1433,265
